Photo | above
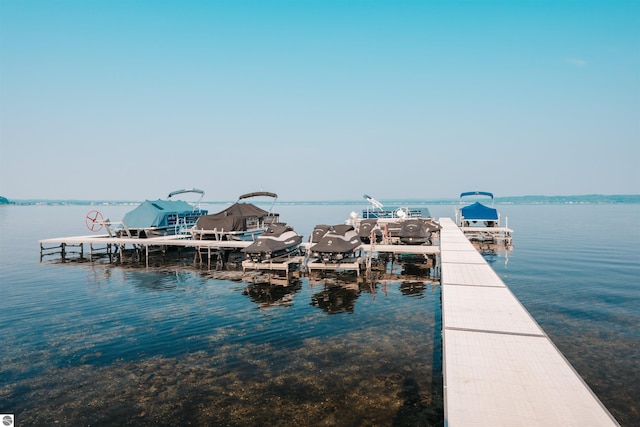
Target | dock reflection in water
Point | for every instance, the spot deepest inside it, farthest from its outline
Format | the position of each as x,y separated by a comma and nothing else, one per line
493,252
336,297
276,292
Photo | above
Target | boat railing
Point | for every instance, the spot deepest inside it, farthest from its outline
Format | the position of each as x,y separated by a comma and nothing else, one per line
397,213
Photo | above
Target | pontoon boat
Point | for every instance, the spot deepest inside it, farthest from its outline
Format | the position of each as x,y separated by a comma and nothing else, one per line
478,214
240,221
154,218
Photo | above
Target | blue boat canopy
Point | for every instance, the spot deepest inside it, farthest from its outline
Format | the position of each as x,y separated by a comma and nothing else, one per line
476,193
158,213
479,212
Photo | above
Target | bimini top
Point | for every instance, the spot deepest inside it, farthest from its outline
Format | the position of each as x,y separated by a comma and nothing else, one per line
258,194
159,213
476,193
479,212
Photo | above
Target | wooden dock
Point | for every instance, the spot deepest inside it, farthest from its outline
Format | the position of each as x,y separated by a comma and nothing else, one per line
351,264
366,252
499,366
287,265
93,246
106,244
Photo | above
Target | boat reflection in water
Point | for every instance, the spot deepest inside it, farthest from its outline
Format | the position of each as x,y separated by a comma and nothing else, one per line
158,280
412,288
492,251
273,293
336,297
339,296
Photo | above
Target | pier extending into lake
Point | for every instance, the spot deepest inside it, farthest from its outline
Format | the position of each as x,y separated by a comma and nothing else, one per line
499,367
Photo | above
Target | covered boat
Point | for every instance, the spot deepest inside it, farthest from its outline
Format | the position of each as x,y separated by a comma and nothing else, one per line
369,231
417,231
240,221
339,242
481,223
277,241
478,214
161,217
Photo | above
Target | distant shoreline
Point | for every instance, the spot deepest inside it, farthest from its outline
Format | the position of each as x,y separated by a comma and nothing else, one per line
515,200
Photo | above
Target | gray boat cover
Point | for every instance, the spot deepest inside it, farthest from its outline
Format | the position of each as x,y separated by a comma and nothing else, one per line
318,232
366,227
414,231
276,238
231,219
431,225
340,238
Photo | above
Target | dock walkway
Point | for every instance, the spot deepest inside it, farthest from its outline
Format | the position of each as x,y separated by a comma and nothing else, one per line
499,366
103,243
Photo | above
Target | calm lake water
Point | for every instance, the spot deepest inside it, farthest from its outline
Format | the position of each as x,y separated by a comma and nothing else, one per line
98,344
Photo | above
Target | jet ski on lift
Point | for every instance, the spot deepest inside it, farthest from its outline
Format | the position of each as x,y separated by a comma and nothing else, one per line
417,231
339,242
369,231
278,241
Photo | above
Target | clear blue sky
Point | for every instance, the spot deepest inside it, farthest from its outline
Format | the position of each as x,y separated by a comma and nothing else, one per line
318,99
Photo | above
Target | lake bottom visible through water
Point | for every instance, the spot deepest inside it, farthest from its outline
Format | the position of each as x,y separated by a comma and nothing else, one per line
162,347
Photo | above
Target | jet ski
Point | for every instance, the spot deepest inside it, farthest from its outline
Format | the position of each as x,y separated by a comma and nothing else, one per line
278,240
318,232
339,242
368,228
417,231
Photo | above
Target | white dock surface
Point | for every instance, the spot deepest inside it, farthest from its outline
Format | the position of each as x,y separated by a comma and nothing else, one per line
500,368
